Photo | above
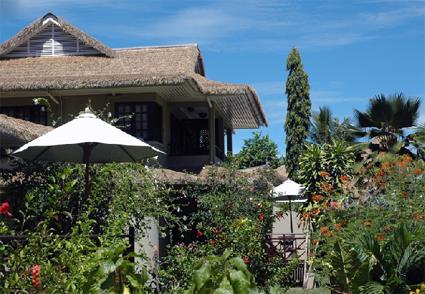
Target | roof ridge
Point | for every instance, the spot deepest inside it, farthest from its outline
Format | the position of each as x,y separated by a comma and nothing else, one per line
157,47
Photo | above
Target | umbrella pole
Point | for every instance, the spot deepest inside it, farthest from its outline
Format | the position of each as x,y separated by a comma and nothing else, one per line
87,182
290,215
87,150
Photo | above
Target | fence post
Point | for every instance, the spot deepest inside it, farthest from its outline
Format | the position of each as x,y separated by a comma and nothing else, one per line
131,238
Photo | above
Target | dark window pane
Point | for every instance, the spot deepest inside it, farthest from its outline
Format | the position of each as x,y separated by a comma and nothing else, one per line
143,123
34,113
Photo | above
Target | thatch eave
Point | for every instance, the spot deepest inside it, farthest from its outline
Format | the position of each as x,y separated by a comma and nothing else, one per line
17,132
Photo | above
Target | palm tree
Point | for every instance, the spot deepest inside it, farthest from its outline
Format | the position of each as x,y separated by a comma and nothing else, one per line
325,128
320,129
386,117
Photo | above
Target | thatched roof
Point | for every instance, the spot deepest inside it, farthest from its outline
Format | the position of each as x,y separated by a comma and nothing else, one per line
170,177
39,24
151,66
17,132
177,65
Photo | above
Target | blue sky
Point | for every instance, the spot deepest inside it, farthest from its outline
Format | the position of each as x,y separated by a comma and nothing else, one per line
352,50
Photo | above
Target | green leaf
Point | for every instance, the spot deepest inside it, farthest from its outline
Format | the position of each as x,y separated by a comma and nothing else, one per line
107,267
202,275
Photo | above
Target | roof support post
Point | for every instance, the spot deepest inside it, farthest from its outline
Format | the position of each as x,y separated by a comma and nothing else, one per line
211,130
229,142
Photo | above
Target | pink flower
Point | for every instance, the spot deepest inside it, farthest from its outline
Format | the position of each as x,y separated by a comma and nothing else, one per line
246,260
333,204
5,209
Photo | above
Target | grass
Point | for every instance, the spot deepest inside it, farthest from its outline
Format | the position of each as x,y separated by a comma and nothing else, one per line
313,291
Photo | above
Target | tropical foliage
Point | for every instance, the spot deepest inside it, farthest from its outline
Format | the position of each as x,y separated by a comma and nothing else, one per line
325,128
257,150
386,117
375,246
233,215
297,121
58,227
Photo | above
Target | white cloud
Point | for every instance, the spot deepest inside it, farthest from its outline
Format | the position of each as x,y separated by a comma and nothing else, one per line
239,25
197,25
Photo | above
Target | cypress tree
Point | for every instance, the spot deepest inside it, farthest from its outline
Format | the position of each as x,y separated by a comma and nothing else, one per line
299,109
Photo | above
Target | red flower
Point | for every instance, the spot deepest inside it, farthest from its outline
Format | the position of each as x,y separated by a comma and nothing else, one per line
261,217
35,273
199,234
344,178
217,230
5,209
246,260
380,237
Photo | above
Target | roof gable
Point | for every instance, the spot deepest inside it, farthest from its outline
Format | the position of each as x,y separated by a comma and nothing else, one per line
52,36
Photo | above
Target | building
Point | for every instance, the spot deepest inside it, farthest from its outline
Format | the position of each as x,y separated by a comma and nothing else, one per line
172,104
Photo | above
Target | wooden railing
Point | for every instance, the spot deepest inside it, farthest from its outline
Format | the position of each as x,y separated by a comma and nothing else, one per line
290,246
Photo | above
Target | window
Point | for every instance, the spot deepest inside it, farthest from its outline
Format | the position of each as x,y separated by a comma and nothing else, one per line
141,119
34,113
189,136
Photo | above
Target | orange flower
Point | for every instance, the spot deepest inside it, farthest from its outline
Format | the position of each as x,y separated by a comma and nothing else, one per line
324,174
306,215
316,197
344,178
380,237
367,222
385,165
326,187
418,217
407,158
417,171
316,211
337,227
316,242
324,229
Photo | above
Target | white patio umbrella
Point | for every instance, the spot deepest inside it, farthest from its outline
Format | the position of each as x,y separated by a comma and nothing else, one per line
289,191
86,139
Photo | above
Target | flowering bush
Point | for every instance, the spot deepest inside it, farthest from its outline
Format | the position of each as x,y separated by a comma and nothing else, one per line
57,251
326,172
376,245
231,214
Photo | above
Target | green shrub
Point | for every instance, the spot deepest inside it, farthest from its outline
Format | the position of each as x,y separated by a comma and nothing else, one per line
59,225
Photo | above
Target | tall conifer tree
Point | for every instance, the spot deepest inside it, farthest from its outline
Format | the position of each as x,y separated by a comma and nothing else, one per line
299,109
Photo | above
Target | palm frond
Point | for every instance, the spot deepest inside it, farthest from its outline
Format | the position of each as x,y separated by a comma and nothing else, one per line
380,111
363,119
372,288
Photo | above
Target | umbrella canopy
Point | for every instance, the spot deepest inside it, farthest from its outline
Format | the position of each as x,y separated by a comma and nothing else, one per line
86,139
289,190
